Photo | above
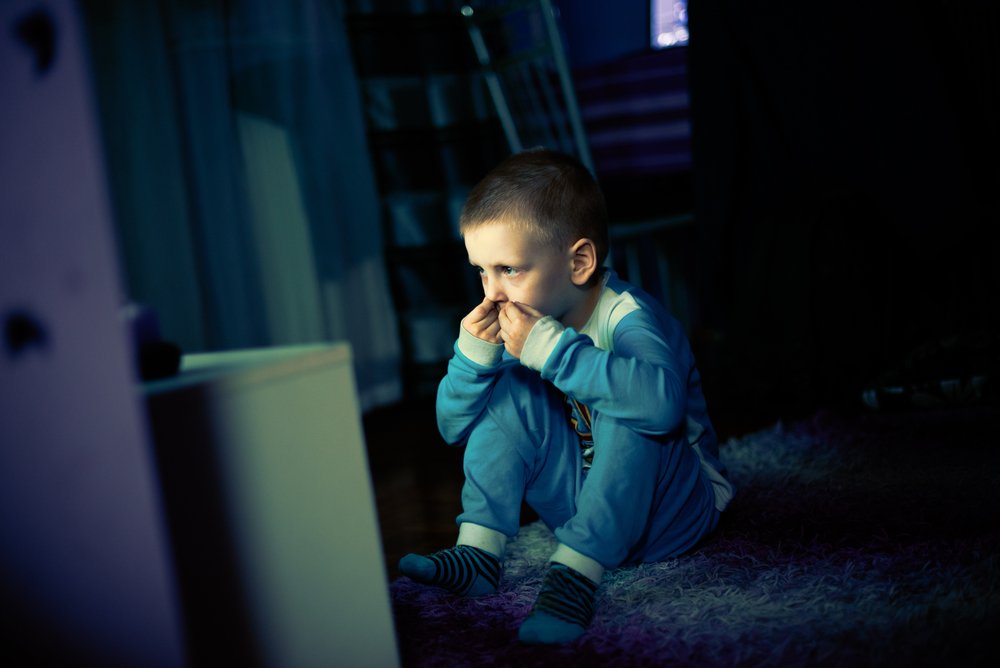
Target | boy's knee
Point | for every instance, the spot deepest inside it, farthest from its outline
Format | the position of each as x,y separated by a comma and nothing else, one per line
524,407
498,436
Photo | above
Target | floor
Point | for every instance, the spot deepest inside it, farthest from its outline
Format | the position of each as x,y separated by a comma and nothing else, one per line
418,478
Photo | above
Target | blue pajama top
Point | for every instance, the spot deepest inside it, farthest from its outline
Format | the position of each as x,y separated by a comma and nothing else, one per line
631,361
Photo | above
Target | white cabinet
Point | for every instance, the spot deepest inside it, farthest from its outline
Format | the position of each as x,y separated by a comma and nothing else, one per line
271,510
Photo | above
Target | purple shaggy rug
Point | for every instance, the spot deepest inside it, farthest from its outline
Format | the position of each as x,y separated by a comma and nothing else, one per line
862,540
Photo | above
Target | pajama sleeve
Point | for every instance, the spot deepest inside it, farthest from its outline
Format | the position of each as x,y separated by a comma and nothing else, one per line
643,382
465,391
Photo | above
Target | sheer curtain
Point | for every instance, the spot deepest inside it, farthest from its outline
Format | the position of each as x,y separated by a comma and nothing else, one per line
244,192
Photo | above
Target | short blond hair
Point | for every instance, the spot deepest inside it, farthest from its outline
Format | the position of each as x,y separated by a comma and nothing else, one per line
549,194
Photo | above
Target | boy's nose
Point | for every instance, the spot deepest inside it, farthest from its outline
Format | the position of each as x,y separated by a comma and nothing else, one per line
494,293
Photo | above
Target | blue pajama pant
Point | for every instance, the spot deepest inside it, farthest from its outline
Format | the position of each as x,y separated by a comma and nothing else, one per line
644,499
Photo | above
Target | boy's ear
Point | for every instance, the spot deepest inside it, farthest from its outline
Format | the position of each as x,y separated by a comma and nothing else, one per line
583,258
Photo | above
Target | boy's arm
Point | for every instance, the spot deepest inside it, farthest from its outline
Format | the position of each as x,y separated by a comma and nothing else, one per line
642,383
465,390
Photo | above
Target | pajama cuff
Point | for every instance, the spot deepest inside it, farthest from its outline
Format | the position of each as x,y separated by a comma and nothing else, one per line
482,537
579,562
479,351
541,341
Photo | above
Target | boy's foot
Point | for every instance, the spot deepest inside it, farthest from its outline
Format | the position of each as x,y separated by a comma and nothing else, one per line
463,569
563,609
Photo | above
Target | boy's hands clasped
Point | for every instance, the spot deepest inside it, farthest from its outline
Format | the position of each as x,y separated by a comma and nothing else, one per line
508,324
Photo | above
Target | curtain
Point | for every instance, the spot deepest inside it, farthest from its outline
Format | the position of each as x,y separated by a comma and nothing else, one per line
243,189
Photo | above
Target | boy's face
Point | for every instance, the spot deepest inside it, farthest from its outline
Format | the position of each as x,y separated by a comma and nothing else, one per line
515,267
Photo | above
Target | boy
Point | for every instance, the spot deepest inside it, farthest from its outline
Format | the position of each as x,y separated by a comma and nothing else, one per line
572,391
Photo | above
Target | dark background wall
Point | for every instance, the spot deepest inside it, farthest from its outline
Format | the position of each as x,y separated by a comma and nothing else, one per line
598,32
846,189
845,183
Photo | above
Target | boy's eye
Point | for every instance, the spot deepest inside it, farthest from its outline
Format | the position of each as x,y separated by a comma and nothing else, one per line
504,270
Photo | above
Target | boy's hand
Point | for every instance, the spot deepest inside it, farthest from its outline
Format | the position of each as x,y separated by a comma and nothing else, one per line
482,322
516,321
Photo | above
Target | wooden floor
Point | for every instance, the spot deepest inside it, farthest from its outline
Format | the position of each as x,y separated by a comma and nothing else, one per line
418,478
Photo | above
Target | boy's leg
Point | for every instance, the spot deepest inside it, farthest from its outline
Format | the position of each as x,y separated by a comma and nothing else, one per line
522,443
522,449
643,499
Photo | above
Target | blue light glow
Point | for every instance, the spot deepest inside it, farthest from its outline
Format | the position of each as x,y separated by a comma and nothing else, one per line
669,23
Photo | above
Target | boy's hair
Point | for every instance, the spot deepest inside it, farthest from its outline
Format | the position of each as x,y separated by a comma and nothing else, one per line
550,194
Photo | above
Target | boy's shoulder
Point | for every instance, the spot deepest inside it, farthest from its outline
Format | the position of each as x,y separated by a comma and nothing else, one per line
618,300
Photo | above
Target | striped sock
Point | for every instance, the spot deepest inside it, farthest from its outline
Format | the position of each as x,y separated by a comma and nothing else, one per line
463,569
563,609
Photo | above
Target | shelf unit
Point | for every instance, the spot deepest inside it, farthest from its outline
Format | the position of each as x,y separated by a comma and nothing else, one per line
433,134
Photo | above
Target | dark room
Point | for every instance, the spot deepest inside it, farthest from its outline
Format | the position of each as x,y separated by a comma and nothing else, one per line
432,333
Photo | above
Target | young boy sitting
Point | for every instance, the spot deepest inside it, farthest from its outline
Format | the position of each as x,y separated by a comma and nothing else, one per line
573,391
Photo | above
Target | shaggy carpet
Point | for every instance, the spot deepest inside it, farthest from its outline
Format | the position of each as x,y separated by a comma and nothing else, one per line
853,540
